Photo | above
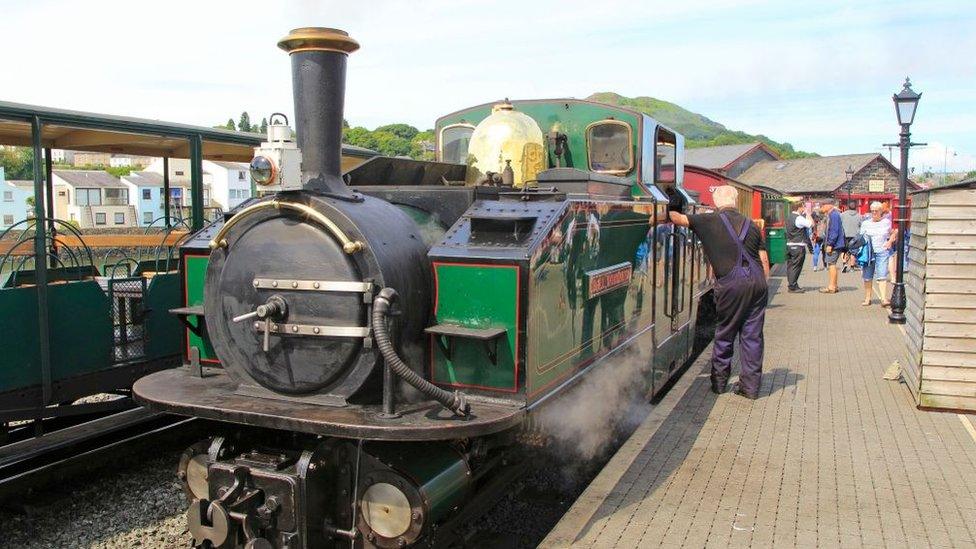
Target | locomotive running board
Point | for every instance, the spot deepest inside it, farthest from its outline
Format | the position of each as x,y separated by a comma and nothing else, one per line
215,396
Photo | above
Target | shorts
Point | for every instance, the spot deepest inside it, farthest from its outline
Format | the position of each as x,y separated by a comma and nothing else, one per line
832,257
877,269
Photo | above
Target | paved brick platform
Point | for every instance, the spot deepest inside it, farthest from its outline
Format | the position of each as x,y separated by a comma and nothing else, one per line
830,455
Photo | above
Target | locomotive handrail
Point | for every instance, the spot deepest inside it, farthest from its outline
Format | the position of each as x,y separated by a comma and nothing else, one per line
349,246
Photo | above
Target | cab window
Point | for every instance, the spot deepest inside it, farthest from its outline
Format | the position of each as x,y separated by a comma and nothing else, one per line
610,147
454,143
664,162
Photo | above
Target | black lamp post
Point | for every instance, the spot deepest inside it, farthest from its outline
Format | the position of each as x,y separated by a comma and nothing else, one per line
850,183
906,101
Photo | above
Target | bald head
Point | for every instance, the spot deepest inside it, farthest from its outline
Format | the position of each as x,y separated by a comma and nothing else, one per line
725,196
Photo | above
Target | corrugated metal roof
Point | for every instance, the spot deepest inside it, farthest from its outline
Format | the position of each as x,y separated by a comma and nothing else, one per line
716,158
89,179
29,183
821,174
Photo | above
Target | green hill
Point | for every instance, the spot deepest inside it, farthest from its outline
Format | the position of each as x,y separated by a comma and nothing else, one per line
699,131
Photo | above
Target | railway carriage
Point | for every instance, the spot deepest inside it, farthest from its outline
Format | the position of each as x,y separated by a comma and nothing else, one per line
385,336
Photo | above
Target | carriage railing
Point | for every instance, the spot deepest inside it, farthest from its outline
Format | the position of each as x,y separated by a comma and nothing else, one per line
123,273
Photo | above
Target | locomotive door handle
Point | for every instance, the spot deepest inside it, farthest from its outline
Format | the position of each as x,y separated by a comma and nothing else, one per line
668,297
684,243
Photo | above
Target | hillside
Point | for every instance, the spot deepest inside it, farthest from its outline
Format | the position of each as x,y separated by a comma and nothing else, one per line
699,131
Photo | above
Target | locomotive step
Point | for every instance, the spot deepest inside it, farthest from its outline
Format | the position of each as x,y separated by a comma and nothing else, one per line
214,397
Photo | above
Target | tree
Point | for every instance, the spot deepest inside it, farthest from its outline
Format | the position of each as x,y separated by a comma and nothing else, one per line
30,201
17,162
264,126
971,174
405,131
244,125
230,124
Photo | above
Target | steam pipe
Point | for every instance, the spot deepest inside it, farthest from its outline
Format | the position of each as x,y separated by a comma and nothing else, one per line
456,402
318,72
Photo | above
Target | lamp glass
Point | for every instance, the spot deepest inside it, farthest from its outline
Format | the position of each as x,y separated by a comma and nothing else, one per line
906,110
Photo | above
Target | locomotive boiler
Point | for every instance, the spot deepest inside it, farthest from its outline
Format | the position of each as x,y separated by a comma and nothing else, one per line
377,341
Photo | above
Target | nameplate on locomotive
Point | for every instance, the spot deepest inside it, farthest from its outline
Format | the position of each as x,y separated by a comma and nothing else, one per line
607,279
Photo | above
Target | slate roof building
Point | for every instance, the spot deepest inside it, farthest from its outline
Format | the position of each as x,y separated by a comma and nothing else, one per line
729,160
826,176
92,198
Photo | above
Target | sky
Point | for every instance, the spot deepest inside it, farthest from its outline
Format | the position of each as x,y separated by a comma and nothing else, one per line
818,75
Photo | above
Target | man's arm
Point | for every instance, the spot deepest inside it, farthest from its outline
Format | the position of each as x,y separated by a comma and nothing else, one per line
678,219
764,257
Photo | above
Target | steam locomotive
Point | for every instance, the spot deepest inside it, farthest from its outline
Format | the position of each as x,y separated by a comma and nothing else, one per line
385,336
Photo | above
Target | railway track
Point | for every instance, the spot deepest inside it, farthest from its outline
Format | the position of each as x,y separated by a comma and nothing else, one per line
60,455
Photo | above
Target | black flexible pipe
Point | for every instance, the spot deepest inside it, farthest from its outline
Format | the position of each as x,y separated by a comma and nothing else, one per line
456,402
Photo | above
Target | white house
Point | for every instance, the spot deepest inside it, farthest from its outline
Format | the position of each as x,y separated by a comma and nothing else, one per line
92,198
229,182
13,200
146,192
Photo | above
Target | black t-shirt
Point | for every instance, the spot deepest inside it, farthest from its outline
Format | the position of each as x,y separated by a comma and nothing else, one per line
719,244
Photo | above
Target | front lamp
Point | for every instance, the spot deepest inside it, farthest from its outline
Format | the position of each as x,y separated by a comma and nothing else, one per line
263,170
386,510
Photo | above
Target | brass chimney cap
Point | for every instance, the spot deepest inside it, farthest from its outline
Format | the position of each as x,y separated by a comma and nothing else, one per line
318,39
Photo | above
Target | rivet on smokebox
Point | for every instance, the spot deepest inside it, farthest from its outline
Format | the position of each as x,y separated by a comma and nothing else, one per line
316,330
294,329
274,283
316,285
294,284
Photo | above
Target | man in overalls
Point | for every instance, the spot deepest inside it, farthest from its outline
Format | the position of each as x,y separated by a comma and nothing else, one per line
736,250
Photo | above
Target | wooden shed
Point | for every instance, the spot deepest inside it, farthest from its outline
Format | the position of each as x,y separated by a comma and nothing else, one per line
941,287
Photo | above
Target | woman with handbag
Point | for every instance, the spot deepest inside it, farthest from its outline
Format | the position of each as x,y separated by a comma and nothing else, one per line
878,232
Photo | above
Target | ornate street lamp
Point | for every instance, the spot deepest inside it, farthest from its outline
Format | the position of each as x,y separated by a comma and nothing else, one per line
850,183
906,101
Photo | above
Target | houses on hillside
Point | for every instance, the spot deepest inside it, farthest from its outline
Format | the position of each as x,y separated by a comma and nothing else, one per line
14,206
226,184
92,198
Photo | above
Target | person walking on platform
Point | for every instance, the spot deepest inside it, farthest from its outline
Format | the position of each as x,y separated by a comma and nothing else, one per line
816,235
798,224
851,220
737,252
833,243
882,237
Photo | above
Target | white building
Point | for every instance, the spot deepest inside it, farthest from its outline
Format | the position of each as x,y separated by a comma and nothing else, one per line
61,156
146,192
92,198
13,201
229,182
125,160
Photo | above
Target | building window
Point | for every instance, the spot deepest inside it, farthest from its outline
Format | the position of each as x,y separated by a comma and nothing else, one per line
8,196
8,220
454,143
147,194
119,218
147,218
116,197
609,145
179,172
88,197
666,144
62,193
240,176
99,219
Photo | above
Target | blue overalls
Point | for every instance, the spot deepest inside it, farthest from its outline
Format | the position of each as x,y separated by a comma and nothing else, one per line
740,303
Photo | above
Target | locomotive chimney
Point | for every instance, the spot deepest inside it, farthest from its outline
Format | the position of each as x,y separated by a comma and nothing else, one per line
318,75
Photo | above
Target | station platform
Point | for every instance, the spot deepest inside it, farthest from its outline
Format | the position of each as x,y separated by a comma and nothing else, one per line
831,455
